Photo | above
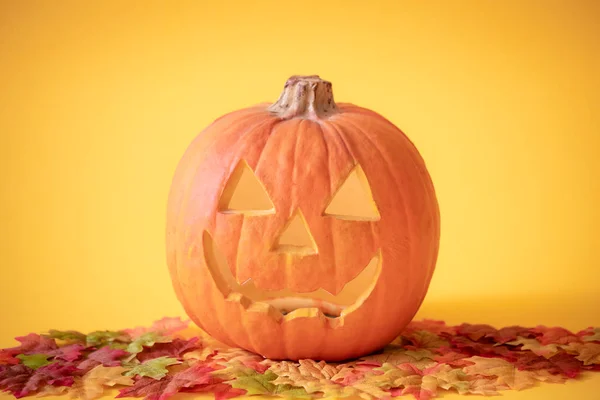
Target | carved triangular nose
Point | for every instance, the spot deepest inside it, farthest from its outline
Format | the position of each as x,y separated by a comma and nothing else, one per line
295,237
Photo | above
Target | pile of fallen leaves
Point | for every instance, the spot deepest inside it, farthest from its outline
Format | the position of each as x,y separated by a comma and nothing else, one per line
427,359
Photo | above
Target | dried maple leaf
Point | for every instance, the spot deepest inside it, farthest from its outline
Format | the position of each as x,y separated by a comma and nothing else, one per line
554,335
174,349
397,355
91,385
103,356
148,388
21,380
426,340
311,375
590,334
103,338
588,353
221,391
69,352
66,336
34,361
436,327
508,334
505,372
536,347
232,356
476,332
449,378
147,339
165,327
261,384
31,344
155,368
49,390
560,363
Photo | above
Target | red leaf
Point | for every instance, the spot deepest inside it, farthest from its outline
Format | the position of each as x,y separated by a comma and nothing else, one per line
561,363
419,393
68,353
22,381
151,389
30,344
221,391
174,349
454,359
7,358
146,387
554,335
476,332
429,325
509,333
165,326
479,349
105,355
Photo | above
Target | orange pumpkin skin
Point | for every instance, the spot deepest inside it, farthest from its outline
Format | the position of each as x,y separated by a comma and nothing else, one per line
301,149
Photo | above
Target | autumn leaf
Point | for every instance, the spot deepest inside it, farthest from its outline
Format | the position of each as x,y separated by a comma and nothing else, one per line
561,363
31,344
103,356
174,349
148,388
155,368
310,375
255,383
505,372
449,378
426,340
509,333
146,340
69,352
66,336
91,385
49,390
554,335
536,347
590,335
436,327
221,391
588,353
103,338
34,361
21,380
165,327
476,332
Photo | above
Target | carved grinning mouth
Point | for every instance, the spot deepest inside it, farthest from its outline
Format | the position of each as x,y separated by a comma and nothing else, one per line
284,304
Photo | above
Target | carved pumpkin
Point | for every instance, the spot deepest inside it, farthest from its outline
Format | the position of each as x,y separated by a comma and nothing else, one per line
352,278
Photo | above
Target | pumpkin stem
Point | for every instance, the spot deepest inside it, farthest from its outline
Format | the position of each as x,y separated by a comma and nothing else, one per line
305,97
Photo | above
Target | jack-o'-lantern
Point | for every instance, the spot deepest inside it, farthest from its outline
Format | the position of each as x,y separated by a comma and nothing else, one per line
331,256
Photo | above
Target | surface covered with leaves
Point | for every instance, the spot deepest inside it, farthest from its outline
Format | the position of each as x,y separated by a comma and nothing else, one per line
429,358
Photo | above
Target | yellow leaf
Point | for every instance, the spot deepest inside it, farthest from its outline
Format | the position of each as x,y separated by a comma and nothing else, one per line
91,385
536,347
588,353
506,373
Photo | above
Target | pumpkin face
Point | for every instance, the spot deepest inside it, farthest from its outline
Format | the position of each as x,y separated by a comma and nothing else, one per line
332,255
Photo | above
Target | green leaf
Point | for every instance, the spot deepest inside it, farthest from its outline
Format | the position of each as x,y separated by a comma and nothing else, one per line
34,361
68,336
255,383
103,338
147,339
155,368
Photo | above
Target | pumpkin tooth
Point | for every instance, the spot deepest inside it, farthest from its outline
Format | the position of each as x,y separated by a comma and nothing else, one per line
237,297
265,308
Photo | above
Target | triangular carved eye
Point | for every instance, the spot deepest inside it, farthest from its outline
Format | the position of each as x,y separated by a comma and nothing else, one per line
244,194
353,199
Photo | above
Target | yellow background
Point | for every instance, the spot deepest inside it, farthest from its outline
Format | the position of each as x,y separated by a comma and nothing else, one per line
99,99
